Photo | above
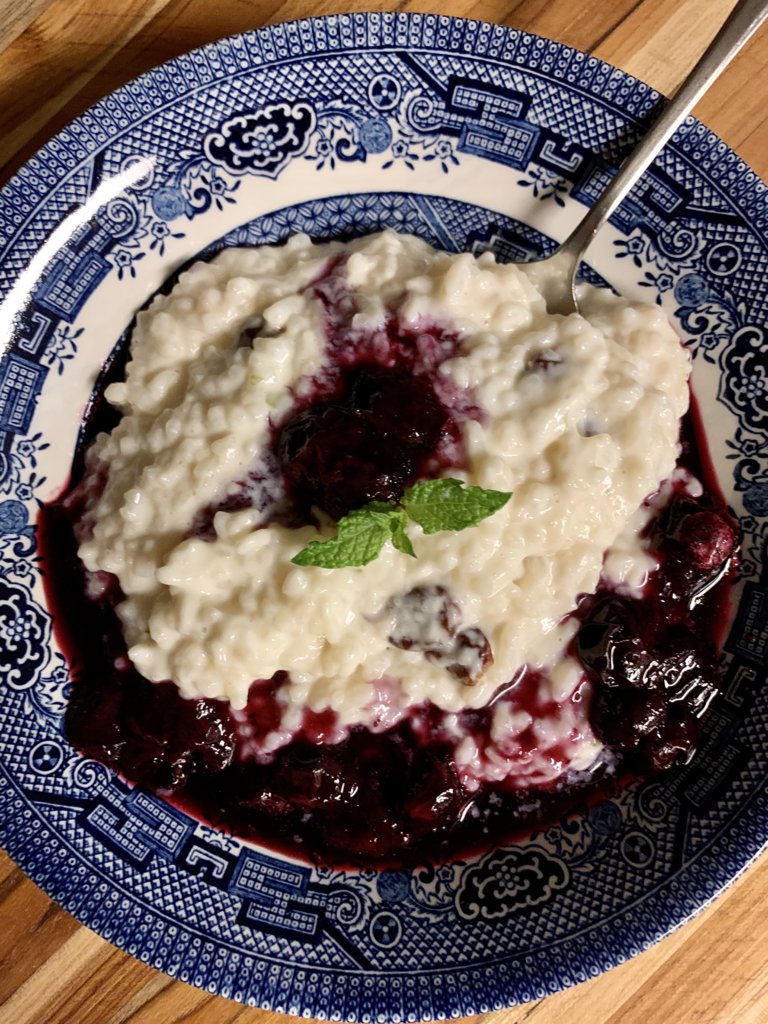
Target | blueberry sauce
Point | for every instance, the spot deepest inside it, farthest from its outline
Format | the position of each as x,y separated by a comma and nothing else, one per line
365,444
369,426
654,662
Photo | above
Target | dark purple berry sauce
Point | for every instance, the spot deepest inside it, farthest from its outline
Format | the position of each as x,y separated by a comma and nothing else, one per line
379,417
654,662
363,445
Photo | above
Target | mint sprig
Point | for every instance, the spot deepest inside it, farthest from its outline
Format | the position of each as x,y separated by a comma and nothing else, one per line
361,535
444,504
447,504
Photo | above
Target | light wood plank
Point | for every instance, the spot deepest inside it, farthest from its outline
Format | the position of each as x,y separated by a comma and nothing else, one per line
146,996
17,15
64,48
32,929
678,28
10,875
82,981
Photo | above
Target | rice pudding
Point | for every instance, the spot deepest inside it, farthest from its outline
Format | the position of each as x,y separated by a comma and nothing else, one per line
276,389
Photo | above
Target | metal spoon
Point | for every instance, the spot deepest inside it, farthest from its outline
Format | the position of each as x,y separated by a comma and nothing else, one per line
557,273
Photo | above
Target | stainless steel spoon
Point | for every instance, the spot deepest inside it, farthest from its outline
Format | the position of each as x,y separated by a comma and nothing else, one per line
557,273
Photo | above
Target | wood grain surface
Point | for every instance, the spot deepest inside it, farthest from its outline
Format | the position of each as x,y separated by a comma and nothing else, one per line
59,56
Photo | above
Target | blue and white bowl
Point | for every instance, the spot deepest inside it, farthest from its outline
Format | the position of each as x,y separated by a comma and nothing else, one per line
474,137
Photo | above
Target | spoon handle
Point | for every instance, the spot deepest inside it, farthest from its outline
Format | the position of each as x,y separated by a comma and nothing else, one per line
744,19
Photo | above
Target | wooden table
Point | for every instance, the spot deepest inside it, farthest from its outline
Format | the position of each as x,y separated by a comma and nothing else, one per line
59,56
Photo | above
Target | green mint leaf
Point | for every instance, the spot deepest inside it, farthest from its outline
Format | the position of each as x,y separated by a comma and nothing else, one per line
400,538
434,504
447,504
360,537
398,520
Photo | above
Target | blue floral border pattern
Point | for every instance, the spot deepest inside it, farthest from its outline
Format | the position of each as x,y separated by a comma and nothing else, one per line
390,91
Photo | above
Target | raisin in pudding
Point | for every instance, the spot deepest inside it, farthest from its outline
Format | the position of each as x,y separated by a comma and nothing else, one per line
460,696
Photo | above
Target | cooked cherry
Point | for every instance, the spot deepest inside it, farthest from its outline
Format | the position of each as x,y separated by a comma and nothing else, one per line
709,540
672,743
620,717
366,444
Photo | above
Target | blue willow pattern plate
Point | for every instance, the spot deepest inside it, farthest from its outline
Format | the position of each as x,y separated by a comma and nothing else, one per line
474,137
